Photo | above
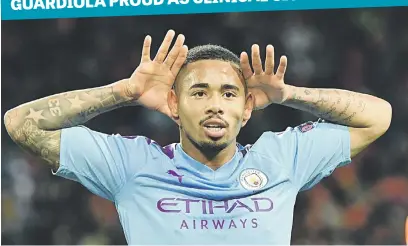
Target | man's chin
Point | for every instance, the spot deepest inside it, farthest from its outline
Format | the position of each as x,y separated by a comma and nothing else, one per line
214,144
215,139
209,144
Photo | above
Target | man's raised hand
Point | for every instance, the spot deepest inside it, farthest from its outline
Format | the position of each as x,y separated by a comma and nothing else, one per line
266,85
152,80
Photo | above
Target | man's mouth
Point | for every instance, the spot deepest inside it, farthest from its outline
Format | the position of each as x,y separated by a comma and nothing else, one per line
215,128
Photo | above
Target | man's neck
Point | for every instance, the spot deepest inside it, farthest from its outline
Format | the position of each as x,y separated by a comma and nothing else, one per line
213,160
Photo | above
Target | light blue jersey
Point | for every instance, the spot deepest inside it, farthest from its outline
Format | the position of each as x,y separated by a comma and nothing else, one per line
163,196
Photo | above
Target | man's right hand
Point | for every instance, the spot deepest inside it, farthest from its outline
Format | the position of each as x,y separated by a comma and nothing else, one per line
153,79
36,126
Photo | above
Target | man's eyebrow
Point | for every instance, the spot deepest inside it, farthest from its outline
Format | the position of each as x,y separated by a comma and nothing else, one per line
223,86
199,85
229,87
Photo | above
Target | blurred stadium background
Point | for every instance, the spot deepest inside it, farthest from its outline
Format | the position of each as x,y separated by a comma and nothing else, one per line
363,50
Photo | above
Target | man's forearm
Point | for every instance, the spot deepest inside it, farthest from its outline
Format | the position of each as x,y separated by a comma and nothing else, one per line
341,106
66,109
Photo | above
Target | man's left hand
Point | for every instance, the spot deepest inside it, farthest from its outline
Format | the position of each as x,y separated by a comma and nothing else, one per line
266,86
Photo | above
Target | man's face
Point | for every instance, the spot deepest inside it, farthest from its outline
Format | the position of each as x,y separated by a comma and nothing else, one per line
211,104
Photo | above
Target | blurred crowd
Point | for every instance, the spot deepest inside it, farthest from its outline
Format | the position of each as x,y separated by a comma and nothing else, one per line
364,50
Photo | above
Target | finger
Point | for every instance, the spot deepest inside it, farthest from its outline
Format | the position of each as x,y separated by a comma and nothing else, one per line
270,60
406,230
245,66
280,73
181,58
164,47
146,48
174,51
256,59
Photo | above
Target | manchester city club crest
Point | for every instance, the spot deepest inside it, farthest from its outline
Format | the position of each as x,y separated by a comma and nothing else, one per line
253,179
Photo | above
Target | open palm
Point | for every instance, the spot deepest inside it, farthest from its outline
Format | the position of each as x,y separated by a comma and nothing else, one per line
266,86
153,79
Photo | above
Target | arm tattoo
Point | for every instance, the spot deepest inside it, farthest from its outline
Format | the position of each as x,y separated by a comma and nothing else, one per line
54,108
36,126
334,105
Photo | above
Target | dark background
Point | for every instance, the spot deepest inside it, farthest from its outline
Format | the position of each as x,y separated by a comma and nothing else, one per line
363,50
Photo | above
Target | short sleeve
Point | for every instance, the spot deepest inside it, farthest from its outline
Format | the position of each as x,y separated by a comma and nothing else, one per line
101,162
311,151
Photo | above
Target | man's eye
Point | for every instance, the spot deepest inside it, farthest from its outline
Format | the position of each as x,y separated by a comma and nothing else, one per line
229,94
199,94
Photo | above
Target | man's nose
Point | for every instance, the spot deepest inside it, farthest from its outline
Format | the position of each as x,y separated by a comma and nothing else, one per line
214,106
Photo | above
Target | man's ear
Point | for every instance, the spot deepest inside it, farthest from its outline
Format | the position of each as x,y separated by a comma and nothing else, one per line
172,101
249,107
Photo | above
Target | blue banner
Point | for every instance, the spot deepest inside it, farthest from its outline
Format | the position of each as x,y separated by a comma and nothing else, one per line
44,9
